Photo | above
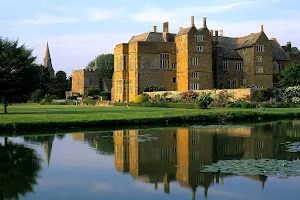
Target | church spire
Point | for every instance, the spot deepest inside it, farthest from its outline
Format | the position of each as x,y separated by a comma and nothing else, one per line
48,147
47,61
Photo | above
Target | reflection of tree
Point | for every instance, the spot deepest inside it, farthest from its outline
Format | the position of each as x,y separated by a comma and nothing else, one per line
46,141
19,169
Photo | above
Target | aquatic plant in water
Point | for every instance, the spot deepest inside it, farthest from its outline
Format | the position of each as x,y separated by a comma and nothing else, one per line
267,167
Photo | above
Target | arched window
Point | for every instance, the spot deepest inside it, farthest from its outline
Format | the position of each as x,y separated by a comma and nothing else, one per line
91,81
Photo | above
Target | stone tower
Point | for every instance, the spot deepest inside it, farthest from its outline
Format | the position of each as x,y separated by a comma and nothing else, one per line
47,61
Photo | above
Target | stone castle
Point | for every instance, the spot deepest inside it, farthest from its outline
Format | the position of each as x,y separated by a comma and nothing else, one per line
196,59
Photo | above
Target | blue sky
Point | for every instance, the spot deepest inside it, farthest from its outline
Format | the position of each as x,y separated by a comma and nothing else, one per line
78,31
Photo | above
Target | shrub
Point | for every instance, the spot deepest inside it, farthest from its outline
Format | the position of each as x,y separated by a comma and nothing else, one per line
141,98
290,93
154,88
224,97
203,100
189,96
262,95
105,94
89,101
48,98
37,95
92,92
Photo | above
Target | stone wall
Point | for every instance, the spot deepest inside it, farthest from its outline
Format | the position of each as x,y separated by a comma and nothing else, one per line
238,93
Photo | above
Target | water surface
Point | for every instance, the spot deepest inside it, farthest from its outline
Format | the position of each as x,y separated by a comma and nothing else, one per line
160,163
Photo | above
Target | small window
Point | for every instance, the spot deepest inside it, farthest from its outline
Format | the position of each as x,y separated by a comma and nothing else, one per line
195,61
258,58
164,61
225,65
174,79
259,69
124,62
195,86
280,66
182,38
199,48
260,48
195,75
244,81
238,66
259,144
91,81
199,38
173,66
233,84
247,59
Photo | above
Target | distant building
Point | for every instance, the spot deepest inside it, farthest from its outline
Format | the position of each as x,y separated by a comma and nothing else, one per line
47,62
83,80
196,59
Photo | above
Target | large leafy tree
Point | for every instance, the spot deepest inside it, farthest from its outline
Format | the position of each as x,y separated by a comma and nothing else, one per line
104,65
19,75
290,76
59,84
19,169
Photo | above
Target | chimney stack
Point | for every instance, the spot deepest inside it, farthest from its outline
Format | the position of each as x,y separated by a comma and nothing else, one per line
154,29
289,47
204,21
221,32
166,27
216,36
262,28
192,20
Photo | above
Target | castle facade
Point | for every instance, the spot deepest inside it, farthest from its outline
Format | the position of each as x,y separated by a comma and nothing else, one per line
196,59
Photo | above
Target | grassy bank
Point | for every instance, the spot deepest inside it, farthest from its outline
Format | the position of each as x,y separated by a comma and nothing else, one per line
35,116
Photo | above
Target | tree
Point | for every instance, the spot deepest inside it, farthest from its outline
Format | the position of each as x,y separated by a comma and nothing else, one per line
295,50
104,65
59,84
19,75
19,169
290,76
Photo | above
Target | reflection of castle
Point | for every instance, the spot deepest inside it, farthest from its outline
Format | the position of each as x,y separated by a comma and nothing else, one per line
181,154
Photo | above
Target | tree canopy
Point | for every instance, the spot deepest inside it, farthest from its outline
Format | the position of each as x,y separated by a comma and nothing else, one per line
19,74
19,170
290,76
104,65
295,50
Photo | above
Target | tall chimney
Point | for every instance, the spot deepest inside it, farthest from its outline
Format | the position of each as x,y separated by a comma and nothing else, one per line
204,21
262,28
221,32
166,27
192,20
289,47
216,36
154,29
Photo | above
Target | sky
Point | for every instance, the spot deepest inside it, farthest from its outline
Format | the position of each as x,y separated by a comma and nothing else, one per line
78,31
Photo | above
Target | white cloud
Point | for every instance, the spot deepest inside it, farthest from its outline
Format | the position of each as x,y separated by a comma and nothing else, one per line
159,14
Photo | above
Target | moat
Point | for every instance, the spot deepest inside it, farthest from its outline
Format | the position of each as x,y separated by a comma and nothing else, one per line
214,162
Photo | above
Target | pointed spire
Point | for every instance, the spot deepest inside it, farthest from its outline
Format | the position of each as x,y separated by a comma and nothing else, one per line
47,61
48,147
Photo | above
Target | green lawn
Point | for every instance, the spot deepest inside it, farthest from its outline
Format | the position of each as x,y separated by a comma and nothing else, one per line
46,116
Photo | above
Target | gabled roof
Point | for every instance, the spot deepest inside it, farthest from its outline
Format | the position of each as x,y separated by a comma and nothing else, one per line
228,47
184,31
152,37
278,52
247,41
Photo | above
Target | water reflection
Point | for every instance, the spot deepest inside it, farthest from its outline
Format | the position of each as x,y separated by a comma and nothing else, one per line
19,169
163,156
